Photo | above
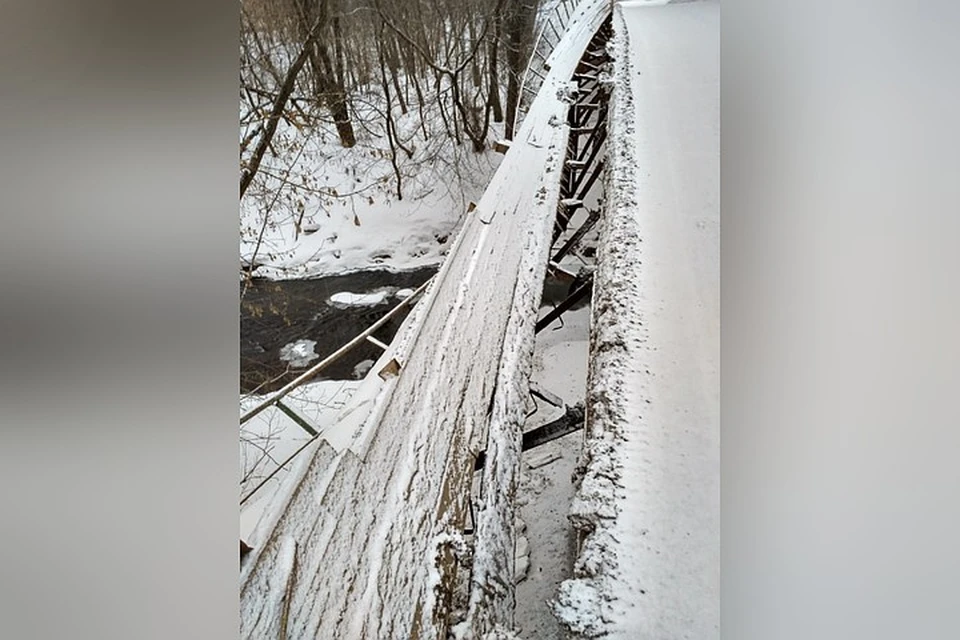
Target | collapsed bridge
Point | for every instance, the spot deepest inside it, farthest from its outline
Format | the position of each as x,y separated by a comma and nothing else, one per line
368,539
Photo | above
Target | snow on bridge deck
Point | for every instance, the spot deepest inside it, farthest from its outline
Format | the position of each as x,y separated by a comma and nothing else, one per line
649,503
361,545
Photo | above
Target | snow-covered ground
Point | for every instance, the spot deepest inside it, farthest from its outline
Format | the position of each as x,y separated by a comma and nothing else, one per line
649,503
546,476
319,209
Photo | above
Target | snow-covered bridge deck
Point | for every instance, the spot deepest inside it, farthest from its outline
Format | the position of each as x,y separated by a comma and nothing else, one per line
363,543
649,505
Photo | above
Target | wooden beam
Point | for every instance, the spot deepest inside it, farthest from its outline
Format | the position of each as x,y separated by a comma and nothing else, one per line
578,294
570,421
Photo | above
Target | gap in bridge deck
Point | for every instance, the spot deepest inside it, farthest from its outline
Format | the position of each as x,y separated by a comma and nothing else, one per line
546,489
547,542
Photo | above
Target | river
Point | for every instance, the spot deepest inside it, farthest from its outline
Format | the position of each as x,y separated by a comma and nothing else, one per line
289,325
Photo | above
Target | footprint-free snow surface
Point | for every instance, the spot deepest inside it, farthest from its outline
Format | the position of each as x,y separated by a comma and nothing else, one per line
649,503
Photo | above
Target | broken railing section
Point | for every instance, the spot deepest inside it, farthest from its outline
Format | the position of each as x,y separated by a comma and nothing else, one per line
587,120
581,168
491,592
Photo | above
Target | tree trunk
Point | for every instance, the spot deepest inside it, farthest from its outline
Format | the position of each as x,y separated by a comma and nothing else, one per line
493,97
393,64
328,83
289,82
391,132
519,30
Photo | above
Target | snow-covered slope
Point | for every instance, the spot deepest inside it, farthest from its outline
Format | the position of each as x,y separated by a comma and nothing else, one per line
364,540
649,503
317,209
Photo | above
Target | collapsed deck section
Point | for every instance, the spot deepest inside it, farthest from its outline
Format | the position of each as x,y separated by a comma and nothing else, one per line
365,543
648,507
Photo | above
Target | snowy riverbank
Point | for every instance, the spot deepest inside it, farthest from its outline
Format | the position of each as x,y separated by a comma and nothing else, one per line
320,209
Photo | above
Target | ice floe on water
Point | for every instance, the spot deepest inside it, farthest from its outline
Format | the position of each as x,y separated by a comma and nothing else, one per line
300,353
349,299
403,294
363,367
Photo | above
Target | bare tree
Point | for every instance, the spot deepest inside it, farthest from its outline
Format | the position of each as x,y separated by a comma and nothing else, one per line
518,25
412,79
279,104
327,77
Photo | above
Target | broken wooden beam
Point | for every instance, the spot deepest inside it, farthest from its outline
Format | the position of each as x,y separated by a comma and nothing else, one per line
581,291
570,421
543,394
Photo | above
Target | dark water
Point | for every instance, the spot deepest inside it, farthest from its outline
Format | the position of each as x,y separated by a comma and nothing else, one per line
275,314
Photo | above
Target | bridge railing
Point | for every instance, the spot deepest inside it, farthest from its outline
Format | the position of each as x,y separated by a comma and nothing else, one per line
551,22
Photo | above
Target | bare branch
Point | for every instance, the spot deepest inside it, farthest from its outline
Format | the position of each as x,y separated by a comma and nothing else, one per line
278,107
